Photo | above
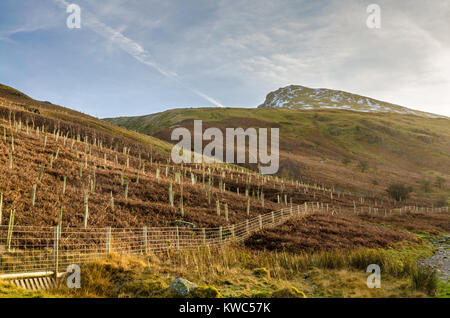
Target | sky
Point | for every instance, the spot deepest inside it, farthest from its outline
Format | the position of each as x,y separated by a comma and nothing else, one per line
141,57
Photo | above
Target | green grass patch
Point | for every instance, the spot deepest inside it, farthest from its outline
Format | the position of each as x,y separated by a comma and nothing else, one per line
443,290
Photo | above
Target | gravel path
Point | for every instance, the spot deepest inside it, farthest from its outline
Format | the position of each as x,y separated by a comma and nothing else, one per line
441,260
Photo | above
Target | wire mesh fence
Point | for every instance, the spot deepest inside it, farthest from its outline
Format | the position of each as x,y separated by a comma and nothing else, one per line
37,249
27,249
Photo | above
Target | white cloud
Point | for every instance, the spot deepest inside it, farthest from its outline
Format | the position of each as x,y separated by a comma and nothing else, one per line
27,28
242,49
134,49
404,62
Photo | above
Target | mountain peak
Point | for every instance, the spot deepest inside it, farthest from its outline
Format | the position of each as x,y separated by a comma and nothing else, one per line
305,98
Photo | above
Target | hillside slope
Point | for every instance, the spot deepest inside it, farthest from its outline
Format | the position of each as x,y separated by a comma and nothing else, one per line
52,156
101,175
355,150
14,102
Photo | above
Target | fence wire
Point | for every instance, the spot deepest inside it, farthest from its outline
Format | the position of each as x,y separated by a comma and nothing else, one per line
28,249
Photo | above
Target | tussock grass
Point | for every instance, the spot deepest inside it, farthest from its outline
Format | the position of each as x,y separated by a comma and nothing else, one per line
425,279
234,271
398,262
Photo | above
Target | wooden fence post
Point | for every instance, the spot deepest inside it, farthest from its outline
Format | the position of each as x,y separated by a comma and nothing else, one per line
56,252
273,218
108,241
145,237
260,222
10,228
60,215
177,234
220,234
204,236
1,207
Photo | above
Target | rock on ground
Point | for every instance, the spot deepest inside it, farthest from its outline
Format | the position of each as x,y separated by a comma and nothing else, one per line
181,287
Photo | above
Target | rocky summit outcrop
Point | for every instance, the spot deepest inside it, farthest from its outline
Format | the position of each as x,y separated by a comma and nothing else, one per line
304,98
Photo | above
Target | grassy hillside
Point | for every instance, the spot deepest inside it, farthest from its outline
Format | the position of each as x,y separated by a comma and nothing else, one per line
349,149
54,157
20,105
126,180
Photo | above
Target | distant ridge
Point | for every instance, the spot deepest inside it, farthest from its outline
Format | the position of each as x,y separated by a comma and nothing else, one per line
304,98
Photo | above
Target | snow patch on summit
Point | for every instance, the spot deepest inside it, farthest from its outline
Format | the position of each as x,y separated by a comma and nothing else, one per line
304,98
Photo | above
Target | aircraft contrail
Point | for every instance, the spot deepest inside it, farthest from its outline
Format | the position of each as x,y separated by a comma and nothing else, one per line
134,49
